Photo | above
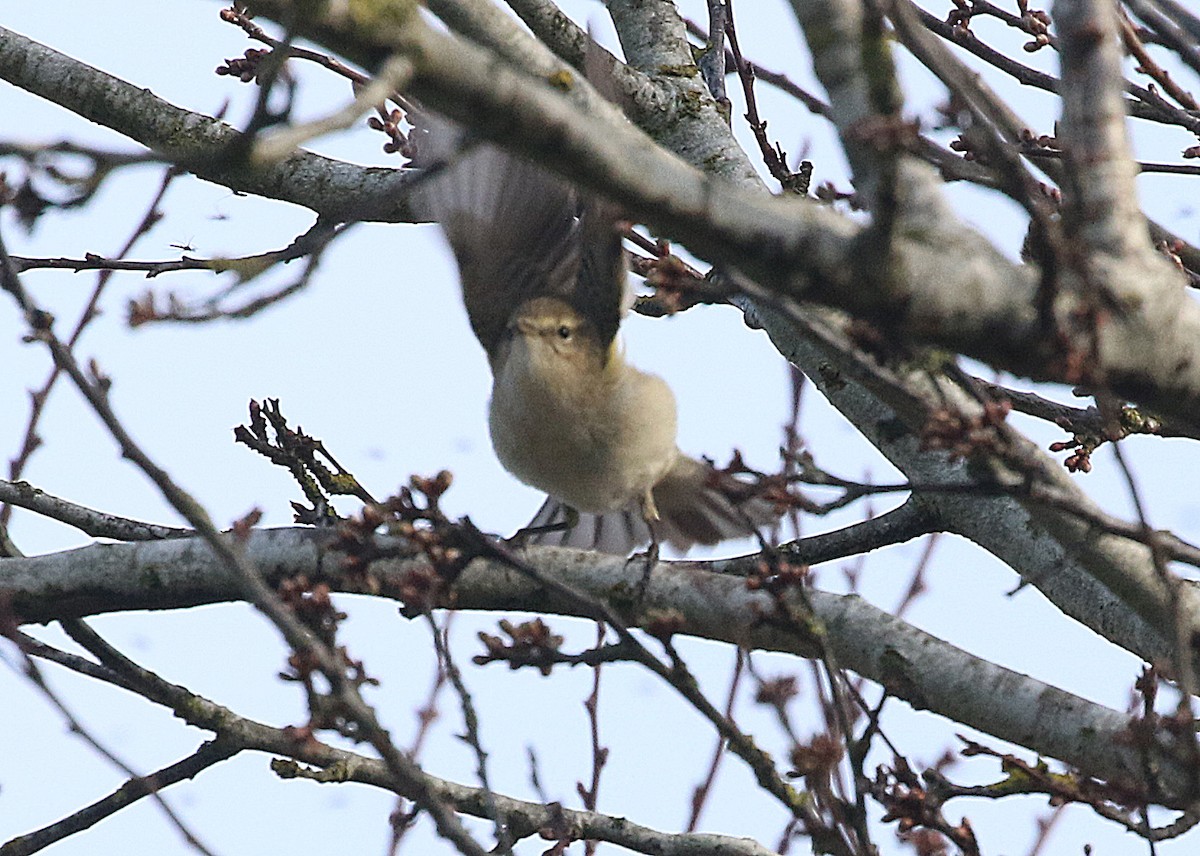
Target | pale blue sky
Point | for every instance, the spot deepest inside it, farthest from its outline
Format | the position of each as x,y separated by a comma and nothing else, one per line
375,357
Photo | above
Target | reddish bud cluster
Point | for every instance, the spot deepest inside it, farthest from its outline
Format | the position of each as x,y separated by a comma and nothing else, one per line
962,436
311,602
918,812
1036,22
532,644
1040,141
818,758
390,124
244,68
777,692
1080,460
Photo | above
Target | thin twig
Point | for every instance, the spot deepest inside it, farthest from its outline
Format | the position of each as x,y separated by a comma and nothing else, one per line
97,524
31,441
471,735
590,795
137,787
299,637
701,793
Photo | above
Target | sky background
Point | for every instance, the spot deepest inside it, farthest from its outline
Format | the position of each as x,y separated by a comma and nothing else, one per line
375,357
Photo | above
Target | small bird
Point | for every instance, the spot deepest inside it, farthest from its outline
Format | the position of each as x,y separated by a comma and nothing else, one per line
544,280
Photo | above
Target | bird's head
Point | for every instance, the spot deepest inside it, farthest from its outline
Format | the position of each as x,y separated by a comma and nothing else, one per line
554,340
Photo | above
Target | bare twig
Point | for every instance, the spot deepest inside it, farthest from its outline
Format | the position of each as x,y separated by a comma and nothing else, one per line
590,795
701,793
301,638
137,787
98,524
31,440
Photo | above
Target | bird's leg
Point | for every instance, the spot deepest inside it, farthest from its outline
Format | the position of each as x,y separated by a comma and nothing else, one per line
650,556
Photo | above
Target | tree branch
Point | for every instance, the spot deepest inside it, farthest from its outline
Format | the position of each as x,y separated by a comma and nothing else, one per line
927,672
335,190
97,524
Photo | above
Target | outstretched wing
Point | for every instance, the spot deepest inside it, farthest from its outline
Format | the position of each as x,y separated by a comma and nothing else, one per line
600,291
517,232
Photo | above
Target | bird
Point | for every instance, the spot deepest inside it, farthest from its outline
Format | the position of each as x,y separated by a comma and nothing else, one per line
544,279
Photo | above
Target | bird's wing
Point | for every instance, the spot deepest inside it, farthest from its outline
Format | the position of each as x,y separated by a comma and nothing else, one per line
510,224
696,505
518,232
600,291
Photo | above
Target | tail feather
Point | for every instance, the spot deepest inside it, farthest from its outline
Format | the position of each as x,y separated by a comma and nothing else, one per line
699,505
617,532
696,505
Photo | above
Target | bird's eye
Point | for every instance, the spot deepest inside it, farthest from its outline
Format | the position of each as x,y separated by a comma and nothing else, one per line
564,332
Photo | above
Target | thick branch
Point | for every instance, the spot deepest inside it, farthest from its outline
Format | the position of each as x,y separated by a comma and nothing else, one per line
335,190
949,282
944,283
927,672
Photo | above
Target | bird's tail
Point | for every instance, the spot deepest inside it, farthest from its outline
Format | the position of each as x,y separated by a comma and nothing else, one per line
696,504
616,532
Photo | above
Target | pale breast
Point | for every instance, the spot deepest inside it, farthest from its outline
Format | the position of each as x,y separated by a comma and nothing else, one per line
597,447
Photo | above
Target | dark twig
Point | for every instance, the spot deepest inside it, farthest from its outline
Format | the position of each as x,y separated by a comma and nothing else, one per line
701,793
137,787
97,524
793,446
1180,15
35,153
1090,427
1145,104
31,440
56,164
772,153
1148,66
1045,826
590,795
916,583
208,755
1036,153
91,261
309,246
911,520
471,735
74,662
401,818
